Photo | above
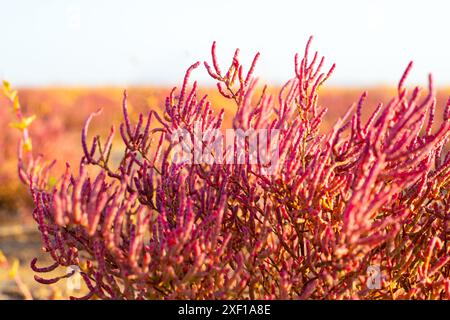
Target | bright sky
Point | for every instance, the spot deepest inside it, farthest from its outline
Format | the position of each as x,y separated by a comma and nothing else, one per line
78,42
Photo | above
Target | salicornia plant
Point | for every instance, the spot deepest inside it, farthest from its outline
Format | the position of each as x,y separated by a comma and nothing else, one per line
278,210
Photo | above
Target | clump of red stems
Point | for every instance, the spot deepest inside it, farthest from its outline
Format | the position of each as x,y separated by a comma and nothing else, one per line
365,194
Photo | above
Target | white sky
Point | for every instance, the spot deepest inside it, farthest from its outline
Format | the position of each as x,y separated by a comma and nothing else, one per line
77,42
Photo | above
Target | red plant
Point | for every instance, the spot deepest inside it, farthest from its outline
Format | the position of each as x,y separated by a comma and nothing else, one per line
312,222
